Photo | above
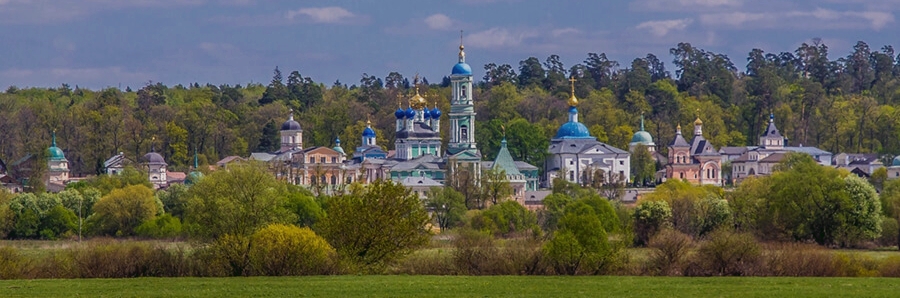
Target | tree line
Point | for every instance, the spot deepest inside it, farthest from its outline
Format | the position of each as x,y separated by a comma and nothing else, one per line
843,104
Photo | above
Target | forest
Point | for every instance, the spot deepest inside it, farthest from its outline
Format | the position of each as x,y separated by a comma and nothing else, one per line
840,101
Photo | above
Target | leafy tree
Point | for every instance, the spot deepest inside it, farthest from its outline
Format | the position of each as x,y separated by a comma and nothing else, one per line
376,224
447,206
890,202
495,186
7,216
531,73
504,219
649,218
122,210
303,204
862,219
580,244
236,202
164,226
643,167
174,199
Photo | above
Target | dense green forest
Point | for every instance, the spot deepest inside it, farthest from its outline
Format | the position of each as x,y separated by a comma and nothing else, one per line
844,104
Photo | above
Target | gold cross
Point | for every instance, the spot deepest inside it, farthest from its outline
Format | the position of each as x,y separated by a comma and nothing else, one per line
572,79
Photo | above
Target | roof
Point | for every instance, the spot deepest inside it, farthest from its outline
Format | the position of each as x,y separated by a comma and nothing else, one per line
577,146
772,131
419,130
261,156
116,161
426,162
505,161
462,69
734,150
524,166
536,196
573,130
419,182
642,137
808,150
774,158
230,159
679,140
368,132
896,161
175,176
290,124
154,158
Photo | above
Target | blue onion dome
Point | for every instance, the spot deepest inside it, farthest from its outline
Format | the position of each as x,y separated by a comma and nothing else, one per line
399,113
573,130
573,110
435,113
410,113
426,113
337,146
368,132
462,68
896,161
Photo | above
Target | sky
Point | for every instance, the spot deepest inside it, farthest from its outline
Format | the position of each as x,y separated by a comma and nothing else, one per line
129,43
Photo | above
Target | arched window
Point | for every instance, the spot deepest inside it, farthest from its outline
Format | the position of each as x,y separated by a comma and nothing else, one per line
333,179
463,133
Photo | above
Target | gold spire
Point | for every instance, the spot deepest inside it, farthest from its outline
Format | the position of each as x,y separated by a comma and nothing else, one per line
462,54
678,128
573,101
368,121
417,101
698,121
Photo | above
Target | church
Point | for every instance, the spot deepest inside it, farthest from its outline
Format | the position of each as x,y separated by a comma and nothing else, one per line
696,162
418,157
576,156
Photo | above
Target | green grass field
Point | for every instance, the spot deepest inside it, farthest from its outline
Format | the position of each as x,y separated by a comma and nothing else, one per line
455,286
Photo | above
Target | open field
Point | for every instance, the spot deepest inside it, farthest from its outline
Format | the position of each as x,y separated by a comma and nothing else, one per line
455,286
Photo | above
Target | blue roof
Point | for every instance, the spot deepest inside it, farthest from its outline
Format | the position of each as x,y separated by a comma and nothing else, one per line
642,137
435,113
368,132
426,113
410,113
399,113
462,69
896,161
573,130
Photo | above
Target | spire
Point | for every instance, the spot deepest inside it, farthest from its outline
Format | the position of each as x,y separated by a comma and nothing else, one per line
573,101
678,129
152,144
53,143
196,164
462,54
771,117
291,116
642,121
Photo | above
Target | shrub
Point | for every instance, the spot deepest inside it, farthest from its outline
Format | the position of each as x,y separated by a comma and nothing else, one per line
580,244
290,250
122,210
890,267
505,219
11,263
727,254
165,226
669,252
798,259
889,231
855,265
649,218
475,253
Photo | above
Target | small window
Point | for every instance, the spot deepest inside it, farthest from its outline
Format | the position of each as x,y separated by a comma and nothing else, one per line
322,159
333,159
621,162
312,159
571,162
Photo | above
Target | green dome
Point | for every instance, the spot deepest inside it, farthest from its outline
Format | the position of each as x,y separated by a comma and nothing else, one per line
896,161
193,177
642,137
54,152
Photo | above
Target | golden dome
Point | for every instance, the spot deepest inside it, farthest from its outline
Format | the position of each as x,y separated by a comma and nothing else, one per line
698,122
573,101
678,128
418,102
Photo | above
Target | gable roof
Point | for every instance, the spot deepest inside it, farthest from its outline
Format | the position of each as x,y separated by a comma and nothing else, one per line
420,182
579,146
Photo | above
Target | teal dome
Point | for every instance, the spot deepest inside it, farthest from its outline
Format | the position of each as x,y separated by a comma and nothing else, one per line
896,161
193,177
54,152
642,137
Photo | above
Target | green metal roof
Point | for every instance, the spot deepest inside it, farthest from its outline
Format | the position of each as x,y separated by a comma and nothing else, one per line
505,161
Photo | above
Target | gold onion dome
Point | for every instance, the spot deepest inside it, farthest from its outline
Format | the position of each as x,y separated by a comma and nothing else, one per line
698,121
573,101
417,101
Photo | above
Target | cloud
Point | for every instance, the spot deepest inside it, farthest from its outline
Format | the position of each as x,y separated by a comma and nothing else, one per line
322,15
439,21
661,28
564,31
497,37
819,18
685,5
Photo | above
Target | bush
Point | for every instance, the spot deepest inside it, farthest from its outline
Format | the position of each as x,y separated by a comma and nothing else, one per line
889,231
798,259
505,219
290,250
670,249
426,262
890,267
855,266
122,210
11,263
475,253
649,218
727,254
165,226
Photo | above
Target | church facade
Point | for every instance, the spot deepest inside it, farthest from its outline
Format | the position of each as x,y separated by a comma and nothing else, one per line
696,162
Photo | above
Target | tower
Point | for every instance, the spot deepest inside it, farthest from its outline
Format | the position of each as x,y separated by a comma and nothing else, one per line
368,135
58,165
771,139
462,110
291,134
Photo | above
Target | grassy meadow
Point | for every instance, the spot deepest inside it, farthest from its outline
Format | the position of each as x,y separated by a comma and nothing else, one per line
455,286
